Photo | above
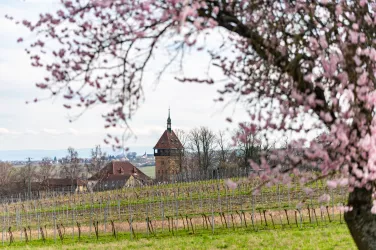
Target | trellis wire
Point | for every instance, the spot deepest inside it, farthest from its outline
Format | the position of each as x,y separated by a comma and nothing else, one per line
200,206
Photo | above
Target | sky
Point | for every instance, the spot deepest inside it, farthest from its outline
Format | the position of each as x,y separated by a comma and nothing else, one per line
45,125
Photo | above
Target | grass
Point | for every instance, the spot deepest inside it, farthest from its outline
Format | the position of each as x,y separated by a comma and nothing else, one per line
333,236
149,171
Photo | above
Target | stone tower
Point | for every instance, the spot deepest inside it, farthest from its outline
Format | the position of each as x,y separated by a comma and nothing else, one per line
167,152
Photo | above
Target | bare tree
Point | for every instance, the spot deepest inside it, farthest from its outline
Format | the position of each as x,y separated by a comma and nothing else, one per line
203,142
208,140
97,161
195,146
25,174
46,169
224,149
71,167
6,172
248,145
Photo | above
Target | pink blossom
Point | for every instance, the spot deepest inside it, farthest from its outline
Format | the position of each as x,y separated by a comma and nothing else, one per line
372,54
19,40
297,96
351,16
365,142
343,77
308,191
299,206
187,11
345,208
323,42
212,23
230,184
354,36
331,184
368,19
362,38
327,117
216,10
373,209
197,24
362,80
61,53
338,10
102,3
343,182
145,6
324,2
60,13
324,198
357,60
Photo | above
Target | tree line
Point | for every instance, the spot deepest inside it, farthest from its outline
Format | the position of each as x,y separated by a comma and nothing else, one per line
69,167
206,149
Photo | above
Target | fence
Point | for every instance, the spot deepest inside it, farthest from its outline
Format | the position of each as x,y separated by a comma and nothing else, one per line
167,209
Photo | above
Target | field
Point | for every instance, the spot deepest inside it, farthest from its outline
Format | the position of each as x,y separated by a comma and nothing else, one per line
149,171
206,208
333,236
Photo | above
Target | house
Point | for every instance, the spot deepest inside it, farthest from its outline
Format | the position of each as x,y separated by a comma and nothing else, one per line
66,184
118,174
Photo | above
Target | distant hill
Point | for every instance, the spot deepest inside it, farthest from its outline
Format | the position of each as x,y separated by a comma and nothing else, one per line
38,154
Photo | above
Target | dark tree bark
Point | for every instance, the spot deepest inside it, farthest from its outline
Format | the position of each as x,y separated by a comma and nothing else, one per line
360,221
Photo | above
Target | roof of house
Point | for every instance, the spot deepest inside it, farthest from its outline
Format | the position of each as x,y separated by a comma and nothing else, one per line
119,170
169,140
63,182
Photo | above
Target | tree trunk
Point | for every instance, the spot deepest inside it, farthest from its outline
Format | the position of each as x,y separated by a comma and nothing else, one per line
360,221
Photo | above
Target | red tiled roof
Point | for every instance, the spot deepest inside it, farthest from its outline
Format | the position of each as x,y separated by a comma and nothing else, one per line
169,141
119,170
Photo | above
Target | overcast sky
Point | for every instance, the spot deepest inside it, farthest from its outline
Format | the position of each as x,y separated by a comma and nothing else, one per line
45,125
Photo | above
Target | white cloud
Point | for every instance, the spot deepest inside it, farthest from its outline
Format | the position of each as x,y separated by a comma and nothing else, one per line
73,131
147,130
52,131
4,131
31,132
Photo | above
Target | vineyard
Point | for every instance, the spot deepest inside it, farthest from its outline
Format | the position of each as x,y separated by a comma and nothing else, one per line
168,209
